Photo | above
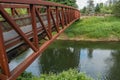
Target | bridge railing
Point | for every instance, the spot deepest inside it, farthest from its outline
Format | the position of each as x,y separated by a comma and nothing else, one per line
44,18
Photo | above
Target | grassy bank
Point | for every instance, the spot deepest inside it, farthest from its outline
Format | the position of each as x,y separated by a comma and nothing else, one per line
71,74
95,28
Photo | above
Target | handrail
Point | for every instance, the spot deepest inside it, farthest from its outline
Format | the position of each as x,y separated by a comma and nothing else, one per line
37,2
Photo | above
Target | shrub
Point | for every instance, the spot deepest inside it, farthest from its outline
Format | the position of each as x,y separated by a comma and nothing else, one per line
71,74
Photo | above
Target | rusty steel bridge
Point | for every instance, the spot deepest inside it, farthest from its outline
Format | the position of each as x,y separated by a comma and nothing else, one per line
40,20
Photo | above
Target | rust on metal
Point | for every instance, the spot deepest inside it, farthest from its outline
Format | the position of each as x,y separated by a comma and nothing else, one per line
46,30
34,26
16,27
57,19
3,56
63,17
49,21
54,22
49,15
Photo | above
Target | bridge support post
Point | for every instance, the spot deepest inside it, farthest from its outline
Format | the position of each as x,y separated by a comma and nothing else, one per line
67,12
64,14
49,21
34,26
28,11
69,15
13,11
63,19
3,56
57,19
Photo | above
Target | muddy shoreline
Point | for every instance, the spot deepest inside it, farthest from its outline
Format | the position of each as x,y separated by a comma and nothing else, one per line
81,38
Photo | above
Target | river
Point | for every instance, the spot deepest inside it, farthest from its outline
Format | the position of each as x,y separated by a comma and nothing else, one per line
99,60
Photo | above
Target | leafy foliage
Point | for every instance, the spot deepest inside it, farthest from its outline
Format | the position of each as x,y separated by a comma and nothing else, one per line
100,8
116,9
25,76
106,9
66,2
66,75
97,8
71,74
84,10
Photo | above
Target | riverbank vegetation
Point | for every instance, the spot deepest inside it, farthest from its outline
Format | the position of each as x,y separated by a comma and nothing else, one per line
95,27
71,74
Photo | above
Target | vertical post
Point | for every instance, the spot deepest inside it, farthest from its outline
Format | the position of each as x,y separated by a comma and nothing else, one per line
34,26
57,18
3,56
28,11
49,21
13,11
63,18
72,15
69,15
60,19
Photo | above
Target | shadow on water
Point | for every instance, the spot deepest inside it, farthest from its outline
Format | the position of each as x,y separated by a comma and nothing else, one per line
100,60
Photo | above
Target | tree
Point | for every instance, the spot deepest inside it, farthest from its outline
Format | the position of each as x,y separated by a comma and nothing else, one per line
84,10
66,2
101,5
90,6
116,9
97,8
106,8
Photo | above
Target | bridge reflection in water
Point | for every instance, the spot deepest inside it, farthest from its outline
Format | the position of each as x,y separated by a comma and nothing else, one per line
98,59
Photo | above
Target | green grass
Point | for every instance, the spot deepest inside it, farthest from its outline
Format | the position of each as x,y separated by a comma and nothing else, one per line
71,74
95,27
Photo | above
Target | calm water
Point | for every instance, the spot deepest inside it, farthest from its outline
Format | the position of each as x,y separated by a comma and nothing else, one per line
97,59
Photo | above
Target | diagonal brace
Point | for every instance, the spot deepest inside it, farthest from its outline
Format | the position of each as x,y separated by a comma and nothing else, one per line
48,34
16,27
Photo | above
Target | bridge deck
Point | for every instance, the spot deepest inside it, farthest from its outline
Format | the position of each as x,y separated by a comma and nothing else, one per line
39,20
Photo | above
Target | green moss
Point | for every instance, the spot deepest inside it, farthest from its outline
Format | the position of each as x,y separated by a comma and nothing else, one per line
95,27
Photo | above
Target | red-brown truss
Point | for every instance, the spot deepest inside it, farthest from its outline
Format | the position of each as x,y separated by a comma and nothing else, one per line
59,17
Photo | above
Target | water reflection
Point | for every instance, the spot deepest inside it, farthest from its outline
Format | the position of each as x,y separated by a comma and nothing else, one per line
97,59
90,53
59,59
114,70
